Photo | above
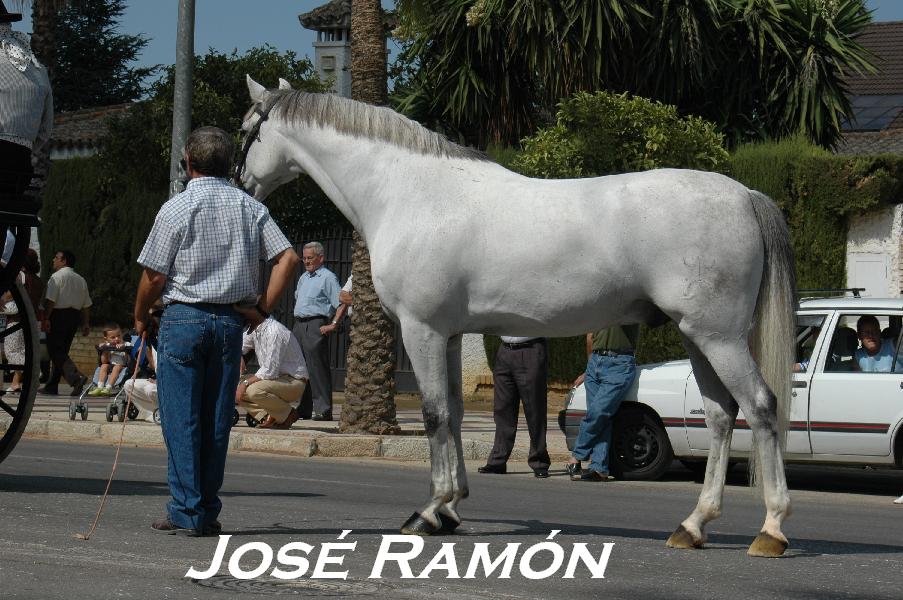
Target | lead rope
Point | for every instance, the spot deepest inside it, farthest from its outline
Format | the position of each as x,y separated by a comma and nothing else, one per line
103,500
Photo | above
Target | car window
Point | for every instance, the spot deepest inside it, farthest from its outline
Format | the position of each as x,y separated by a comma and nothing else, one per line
866,343
808,329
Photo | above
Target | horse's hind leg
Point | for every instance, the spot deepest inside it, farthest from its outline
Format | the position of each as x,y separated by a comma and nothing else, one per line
720,415
734,365
448,514
427,350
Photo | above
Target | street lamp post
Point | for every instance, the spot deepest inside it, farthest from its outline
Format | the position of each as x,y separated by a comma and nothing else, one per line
181,107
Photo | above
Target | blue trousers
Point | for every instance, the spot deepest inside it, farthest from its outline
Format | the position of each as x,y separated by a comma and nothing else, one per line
198,366
607,380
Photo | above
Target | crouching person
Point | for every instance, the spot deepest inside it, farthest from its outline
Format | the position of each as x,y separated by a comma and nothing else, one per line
269,394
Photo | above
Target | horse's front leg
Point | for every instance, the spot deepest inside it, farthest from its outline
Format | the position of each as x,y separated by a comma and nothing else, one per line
427,350
448,514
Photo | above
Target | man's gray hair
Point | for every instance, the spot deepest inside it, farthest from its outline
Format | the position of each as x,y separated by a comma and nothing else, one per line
317,247
210,151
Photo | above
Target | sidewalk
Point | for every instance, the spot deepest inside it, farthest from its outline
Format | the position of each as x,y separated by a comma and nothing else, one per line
50,420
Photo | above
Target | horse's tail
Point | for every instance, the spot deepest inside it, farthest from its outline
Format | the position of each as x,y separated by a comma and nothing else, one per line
774,333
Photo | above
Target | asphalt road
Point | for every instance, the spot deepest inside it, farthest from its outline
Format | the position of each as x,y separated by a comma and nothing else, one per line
845,533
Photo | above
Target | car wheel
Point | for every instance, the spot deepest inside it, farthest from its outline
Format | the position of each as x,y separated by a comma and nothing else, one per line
640,446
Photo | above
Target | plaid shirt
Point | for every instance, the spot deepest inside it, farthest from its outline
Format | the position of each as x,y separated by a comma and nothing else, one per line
209,241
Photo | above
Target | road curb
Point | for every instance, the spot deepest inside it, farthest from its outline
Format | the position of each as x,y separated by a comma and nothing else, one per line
298,442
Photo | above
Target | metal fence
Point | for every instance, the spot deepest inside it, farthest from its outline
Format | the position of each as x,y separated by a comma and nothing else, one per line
337,247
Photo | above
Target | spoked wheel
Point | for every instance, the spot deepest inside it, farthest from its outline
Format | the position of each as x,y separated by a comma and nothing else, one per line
15,407
133,412
251,421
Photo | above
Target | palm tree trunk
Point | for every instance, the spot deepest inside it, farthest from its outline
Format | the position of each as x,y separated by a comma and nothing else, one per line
370,382
43,37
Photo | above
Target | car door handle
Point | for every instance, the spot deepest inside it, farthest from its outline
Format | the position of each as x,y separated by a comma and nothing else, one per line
802,384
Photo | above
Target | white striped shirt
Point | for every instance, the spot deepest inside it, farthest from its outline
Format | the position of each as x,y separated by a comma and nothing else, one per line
208,241
277,350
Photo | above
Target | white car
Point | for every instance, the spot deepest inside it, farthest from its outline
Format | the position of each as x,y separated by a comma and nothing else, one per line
838,415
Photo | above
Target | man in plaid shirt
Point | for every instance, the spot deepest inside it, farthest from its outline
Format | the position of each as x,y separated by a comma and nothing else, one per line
202,258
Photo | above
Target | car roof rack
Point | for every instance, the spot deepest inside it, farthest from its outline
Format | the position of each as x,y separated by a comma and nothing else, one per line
811,294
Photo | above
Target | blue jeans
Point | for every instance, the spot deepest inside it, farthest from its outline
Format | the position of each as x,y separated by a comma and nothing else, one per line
607,380
198,366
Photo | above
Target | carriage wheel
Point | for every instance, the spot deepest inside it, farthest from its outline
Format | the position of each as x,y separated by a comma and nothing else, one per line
15,407
235,418
84,410
110,412
157,416
133,412
72,410
251,421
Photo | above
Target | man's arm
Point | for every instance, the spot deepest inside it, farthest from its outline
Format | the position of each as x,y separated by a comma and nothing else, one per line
284,266
339,313
589,352
150,287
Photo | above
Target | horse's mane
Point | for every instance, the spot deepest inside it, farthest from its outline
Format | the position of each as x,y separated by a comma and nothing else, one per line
358,119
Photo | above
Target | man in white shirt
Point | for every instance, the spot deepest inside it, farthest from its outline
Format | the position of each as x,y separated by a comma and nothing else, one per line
269,394
66,304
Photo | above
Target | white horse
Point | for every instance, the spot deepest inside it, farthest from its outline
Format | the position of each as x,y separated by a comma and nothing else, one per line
459,244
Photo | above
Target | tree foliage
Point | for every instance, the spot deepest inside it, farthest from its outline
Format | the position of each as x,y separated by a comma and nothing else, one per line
93,57
493,70
604,133
103,207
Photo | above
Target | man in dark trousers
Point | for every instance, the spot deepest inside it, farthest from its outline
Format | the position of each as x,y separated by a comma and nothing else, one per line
67,305
521,367
317,314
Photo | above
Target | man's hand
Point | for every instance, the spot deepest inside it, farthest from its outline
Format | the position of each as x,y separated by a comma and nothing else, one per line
579,379
140,326
239,393
45,325
345,297
327,329
86,330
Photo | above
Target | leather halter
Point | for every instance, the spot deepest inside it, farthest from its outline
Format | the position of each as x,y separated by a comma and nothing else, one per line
253,135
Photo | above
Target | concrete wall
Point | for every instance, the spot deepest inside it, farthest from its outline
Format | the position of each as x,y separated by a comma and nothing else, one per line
874,251
476,371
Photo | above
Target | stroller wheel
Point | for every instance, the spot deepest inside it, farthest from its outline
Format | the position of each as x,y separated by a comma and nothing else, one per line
120,412
84,410
133,412
251,421
235,418
72,410
111,410
157,416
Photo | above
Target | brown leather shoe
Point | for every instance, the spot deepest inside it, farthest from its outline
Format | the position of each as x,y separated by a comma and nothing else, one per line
289,420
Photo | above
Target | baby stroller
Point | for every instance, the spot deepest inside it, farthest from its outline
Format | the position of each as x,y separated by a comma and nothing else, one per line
117,403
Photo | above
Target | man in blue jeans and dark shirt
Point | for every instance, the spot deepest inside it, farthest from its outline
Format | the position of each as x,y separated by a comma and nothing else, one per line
202,257
610,372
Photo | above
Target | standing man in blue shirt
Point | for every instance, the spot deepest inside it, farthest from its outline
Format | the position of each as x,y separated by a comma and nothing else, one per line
202,257
317,314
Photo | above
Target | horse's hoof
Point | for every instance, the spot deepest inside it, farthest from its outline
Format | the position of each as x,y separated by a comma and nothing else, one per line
417,525
767,546
447,524
681,538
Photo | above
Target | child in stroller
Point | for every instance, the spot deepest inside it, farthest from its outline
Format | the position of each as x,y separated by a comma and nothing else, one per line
114,358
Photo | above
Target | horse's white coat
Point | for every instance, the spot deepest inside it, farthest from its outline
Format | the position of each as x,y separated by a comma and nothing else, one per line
460,245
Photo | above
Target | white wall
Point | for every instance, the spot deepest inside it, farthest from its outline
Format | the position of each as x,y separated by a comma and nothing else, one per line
873,252
473,357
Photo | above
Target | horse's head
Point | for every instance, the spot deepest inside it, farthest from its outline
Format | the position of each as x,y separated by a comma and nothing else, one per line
264,162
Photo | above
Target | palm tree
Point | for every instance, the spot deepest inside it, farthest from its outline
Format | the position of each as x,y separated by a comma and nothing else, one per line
43,25
370,382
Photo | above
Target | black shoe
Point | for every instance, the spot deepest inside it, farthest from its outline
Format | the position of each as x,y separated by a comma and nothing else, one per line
540,473
323,416
595,476
79,386
574,470
493,469
167,527
52,391
212,529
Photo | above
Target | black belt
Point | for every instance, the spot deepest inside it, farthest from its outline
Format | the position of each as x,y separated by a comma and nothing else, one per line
519,345
613,352
305,319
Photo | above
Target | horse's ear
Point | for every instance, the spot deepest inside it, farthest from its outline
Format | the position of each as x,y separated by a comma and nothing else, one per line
284,85
257,91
